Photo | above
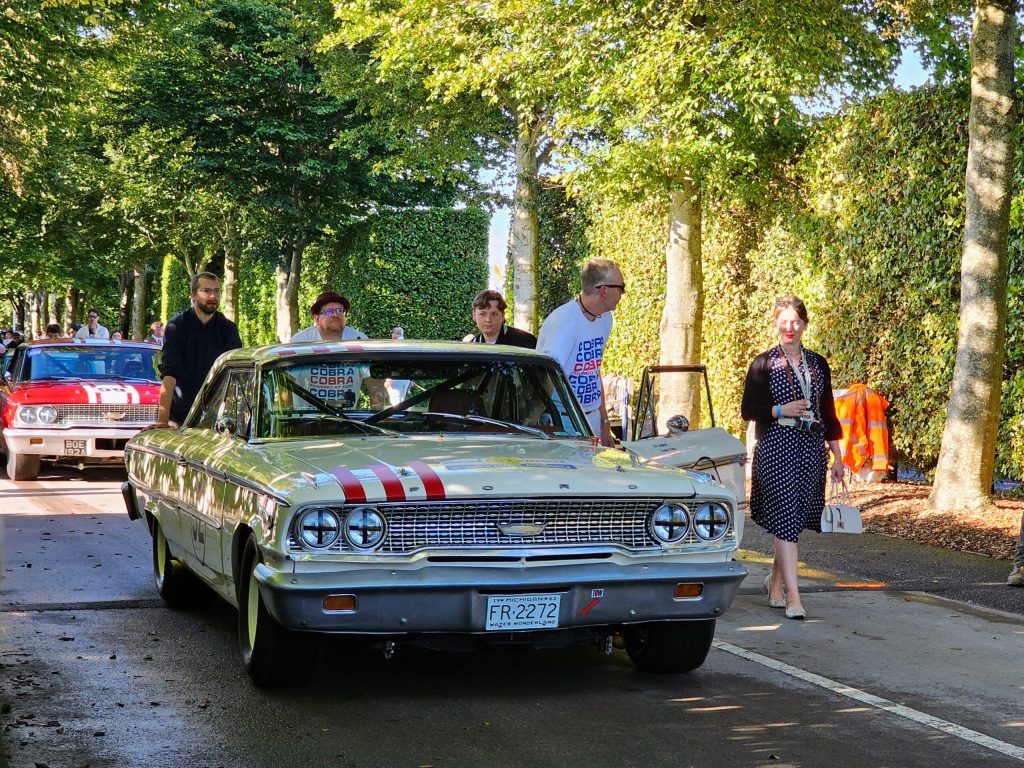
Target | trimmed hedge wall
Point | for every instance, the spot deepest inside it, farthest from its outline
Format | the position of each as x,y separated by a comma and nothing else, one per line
416,269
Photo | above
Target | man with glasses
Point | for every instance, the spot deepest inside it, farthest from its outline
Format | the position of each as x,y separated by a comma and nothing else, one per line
193,339
575,334
330,317
93,329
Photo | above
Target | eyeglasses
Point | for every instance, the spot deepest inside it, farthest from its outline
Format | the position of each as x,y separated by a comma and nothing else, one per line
209,291
94,317
620,286
332,312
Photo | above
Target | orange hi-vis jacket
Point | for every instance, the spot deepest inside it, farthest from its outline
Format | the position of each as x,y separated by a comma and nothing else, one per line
861,413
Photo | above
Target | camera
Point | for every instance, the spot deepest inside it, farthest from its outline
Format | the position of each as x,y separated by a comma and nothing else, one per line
813,426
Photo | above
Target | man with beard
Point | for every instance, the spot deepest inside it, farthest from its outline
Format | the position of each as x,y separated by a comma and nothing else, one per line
193,339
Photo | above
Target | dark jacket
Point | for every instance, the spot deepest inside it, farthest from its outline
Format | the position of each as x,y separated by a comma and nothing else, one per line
513,337
190,348
757,394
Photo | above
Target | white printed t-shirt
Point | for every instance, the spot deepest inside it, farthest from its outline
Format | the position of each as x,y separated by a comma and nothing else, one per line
330,380
578,345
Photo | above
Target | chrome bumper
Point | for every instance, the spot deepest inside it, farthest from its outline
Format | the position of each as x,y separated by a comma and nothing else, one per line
453,599
52,442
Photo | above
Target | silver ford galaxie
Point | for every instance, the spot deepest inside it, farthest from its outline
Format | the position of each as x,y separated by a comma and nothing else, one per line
432,493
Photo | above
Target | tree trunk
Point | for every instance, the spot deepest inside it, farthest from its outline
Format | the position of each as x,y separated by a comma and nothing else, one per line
124,281
165,288
230,286
287,293
51,308
963,478
34,300
71,302
682,316
140,298
523,239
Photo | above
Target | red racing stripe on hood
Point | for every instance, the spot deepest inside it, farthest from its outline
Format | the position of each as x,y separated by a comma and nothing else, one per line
432,484
354,491
393,487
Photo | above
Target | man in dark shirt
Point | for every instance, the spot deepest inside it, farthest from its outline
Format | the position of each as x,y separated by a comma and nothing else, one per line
489,315
192,341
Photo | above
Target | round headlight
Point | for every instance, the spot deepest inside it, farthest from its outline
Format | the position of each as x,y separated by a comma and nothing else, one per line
711,521
669,523
319,528
27,414
47,414
365,527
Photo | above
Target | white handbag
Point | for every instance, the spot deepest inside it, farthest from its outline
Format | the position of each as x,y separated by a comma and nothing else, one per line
838,515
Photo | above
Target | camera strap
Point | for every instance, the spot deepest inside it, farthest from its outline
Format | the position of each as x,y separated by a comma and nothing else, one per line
803,373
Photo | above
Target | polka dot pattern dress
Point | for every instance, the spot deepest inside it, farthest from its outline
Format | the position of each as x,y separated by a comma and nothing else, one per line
789,467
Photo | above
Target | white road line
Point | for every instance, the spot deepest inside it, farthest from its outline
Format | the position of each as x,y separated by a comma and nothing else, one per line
876,701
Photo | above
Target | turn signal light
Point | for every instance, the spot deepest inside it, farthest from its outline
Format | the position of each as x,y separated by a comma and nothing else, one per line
335,603
689,590
35,441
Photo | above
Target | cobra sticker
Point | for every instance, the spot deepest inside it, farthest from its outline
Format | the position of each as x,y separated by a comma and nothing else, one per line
112,394
416,481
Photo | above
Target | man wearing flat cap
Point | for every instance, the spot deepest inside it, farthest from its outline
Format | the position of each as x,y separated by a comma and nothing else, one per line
330,314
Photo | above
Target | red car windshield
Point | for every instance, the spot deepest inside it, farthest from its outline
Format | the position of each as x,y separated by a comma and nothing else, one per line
75,362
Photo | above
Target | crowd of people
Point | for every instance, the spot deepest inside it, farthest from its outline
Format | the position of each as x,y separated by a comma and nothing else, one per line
787,392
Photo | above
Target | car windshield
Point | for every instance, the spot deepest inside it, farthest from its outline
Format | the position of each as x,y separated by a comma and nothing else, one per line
74,362
346,395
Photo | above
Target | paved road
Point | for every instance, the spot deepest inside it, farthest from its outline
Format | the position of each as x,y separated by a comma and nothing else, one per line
888,672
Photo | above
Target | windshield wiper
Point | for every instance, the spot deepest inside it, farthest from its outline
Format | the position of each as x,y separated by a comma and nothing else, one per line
499,423
332,413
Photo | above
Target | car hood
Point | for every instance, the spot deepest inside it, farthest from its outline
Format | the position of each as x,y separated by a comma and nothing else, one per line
376,469
97,392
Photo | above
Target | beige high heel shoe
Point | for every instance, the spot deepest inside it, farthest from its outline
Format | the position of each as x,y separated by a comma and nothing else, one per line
780,603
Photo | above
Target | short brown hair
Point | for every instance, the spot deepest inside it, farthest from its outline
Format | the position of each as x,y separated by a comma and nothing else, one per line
194,282
790,302
596,272
485,297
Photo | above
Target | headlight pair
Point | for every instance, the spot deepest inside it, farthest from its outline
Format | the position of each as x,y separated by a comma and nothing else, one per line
362,527
671,522
41,414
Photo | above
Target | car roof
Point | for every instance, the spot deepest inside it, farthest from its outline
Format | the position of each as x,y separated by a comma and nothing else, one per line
88,342
275,352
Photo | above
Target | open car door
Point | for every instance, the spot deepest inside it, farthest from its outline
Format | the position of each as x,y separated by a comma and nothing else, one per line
710,450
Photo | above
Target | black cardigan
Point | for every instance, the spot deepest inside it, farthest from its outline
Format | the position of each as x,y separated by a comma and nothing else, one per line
512,337
757,396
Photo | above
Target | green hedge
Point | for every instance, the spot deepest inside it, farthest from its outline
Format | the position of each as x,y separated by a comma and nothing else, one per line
416,269
867,227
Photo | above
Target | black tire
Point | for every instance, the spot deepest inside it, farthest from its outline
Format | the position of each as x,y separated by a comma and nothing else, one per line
22,466
177,585
669,646
272,655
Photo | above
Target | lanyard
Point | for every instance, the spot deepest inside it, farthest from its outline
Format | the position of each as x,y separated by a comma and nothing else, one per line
803,373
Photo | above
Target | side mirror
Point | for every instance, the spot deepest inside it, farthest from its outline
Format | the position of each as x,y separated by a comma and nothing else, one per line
677,425
225,425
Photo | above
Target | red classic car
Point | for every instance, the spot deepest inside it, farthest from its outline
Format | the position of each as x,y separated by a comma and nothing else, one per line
75,400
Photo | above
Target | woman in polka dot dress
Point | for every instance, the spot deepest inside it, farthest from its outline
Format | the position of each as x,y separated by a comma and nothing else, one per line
788,393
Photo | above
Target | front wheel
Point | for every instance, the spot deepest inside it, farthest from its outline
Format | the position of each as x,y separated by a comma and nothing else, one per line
272,655
669,646
22,466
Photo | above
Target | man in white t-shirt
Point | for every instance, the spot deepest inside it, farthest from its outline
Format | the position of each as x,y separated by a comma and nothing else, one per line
330,318
336,382
93,329
575,334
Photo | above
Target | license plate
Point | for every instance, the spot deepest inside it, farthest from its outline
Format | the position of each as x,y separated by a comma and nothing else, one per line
74,447
506,612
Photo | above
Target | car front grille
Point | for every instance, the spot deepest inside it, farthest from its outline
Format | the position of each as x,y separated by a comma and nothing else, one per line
515,523
108,415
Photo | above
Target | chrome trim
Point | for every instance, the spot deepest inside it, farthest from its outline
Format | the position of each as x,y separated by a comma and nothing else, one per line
471,526
216,474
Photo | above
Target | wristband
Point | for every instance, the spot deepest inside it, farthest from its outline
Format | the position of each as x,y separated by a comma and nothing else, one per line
778,411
